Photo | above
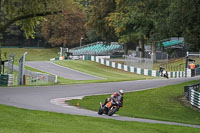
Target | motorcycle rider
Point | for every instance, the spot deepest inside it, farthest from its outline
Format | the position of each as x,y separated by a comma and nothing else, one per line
120,97
161,70
117,96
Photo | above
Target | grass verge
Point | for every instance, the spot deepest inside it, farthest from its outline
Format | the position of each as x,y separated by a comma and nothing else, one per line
162,103
109,74
15,120
33,53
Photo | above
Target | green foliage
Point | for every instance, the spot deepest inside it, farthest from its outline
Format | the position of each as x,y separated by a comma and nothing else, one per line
99,10
29,25
184,19
152,20
28,13
137,19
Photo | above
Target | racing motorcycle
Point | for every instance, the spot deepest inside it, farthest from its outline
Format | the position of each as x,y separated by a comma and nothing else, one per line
164,73
110,108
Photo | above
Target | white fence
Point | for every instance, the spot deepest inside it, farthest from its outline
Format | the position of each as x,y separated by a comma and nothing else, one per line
138,62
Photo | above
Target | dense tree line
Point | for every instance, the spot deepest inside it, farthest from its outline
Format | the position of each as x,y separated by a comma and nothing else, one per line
128,21
148,21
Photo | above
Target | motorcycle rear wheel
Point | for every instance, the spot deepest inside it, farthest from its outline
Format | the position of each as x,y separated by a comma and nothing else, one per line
112,111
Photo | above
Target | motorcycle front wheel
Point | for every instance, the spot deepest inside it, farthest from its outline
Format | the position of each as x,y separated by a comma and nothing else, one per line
100,112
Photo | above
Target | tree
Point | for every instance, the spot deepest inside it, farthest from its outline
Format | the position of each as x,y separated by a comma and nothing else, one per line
127,20
27,13
65,29
91,34
135,20
184,19
99,10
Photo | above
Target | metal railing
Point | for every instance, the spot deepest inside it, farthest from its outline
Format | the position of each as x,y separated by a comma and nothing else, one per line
192,94
37,77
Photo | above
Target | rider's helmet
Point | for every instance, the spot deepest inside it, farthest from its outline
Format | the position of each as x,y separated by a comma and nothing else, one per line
121,92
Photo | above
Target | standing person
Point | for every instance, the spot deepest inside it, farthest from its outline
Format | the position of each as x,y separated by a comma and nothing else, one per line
192,67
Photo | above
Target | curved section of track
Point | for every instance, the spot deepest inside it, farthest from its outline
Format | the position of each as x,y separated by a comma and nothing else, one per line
61,102
38,98
61,71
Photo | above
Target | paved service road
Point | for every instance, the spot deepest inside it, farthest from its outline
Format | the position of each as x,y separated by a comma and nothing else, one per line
51,98
61,71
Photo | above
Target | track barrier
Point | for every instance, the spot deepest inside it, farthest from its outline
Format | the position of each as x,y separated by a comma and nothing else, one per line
148,72
192,94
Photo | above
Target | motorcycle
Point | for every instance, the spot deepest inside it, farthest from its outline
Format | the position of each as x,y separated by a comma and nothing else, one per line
164,73
110,108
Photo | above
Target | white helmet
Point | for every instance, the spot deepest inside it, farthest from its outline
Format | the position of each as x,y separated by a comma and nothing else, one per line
121,92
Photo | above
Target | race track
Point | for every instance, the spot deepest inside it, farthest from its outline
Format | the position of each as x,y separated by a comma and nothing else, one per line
51,98
61,71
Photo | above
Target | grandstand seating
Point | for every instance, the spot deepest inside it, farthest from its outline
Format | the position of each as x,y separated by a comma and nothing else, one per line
172,43
95,49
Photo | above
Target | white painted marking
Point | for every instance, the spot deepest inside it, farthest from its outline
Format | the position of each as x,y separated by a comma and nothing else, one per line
119,66
102,61
132,69
107,63
125,68
146,72
113,64
138,70
92,58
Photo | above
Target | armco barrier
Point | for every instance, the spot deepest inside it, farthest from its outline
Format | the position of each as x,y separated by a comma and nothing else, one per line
195,98
192,95
10,79
147,72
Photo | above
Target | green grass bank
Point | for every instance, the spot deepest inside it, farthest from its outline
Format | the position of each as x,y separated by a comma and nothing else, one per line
107,73
34,54
164,103
15,120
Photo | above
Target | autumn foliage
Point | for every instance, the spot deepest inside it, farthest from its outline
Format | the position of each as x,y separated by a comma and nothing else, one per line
64,29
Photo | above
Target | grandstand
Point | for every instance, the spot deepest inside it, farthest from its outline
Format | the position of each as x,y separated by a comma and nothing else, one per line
174,43
98,48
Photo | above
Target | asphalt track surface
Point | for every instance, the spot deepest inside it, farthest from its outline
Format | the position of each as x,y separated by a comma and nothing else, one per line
51,98
61,71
